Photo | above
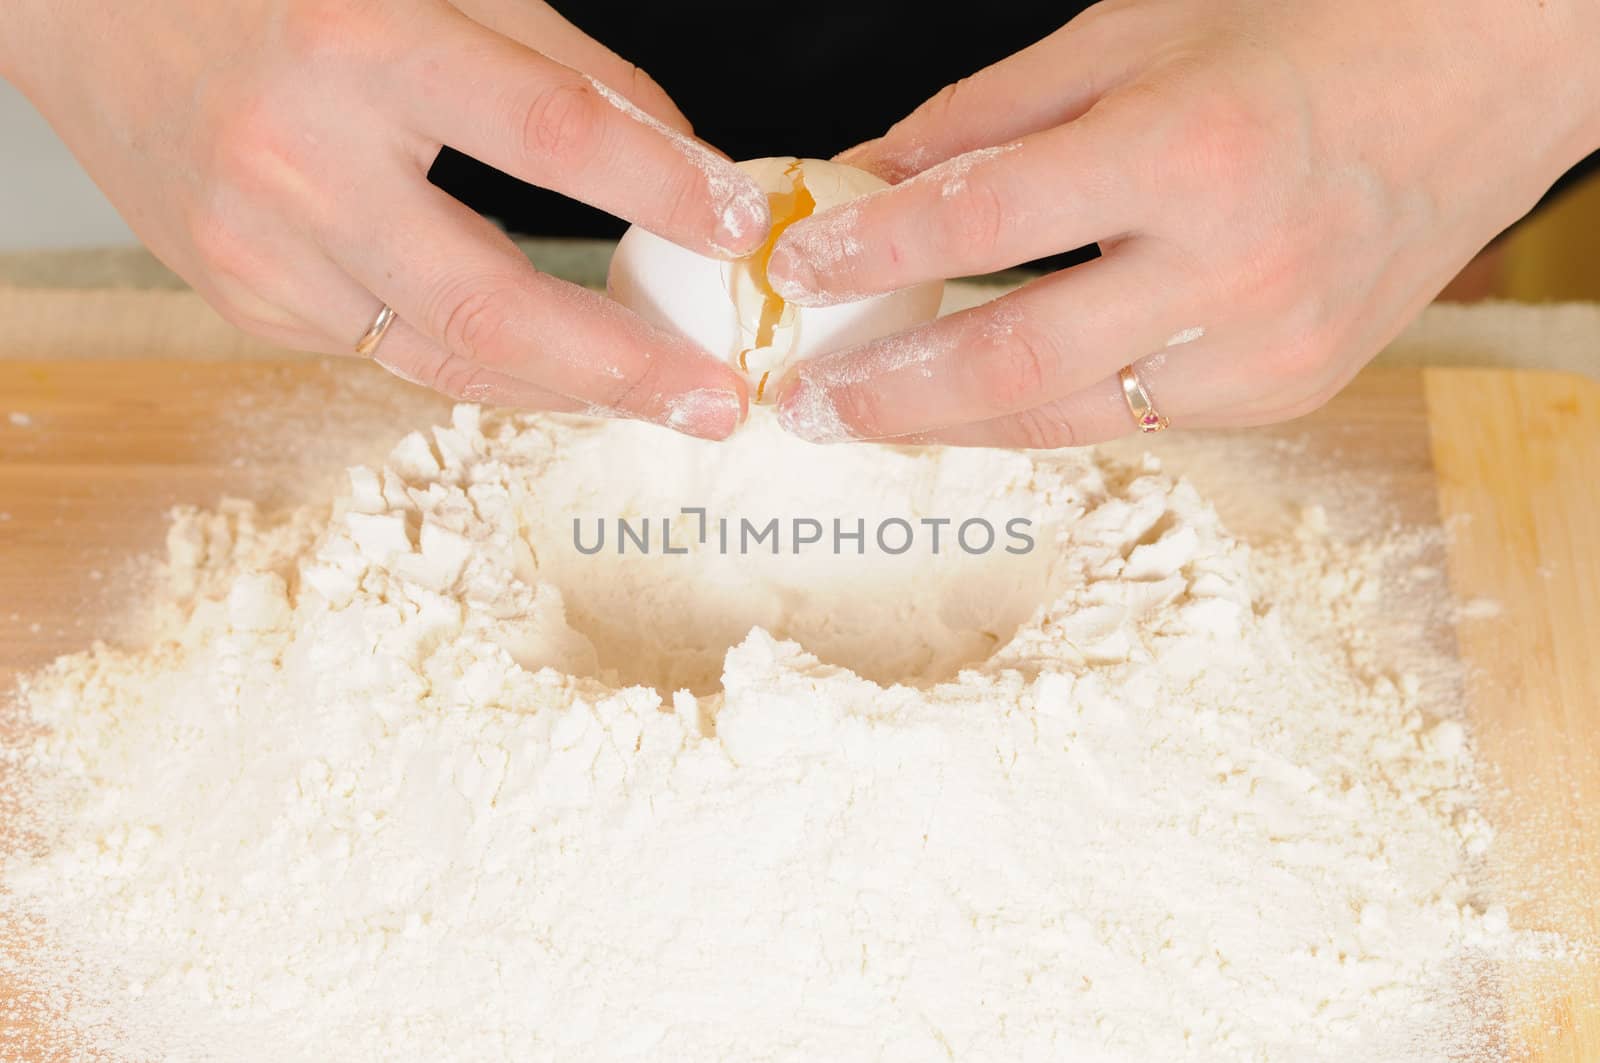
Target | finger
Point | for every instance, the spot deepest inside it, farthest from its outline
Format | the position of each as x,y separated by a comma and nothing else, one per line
335,312
988,210
285,290
271,280
1003,102
414,358
1182,388
542,28
1052,338
1191,384
489,314
550,125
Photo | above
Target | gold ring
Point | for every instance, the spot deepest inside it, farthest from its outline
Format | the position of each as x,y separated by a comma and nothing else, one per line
368,343
1139,404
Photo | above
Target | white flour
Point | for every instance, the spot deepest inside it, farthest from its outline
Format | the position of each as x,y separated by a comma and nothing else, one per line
372,790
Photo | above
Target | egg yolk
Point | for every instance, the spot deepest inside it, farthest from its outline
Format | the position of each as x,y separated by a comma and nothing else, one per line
787,208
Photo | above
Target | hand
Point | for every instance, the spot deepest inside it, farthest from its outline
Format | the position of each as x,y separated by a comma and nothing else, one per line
1277,188
275,153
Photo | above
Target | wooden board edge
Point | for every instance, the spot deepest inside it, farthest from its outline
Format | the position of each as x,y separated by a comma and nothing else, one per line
1517,461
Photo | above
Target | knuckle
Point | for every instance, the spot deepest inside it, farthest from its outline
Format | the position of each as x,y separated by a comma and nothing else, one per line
1296,362
638,385
1096,19
910,152
221,248
474,321
860,407
1308,403
644,87
1269,276
1226,141
452,376
257,150
243,140
250,316
688,202
975,220
237,316
1044,428
640,82
563,124
946,104
1016,374
315,31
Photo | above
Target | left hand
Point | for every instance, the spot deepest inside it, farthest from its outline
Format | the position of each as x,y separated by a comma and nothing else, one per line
275,153
1277,189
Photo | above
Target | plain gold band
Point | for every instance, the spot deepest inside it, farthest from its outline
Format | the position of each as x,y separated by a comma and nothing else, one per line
368,343
1139,404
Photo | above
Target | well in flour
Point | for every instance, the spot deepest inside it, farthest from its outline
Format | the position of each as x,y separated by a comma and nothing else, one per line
379,787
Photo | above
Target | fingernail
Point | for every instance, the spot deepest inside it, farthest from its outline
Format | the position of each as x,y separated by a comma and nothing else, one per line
707,413
808,411
743,216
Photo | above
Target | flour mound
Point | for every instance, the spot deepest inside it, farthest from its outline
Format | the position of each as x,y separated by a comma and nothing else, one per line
410,777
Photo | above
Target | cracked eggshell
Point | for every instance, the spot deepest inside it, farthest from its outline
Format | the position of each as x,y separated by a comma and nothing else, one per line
720,305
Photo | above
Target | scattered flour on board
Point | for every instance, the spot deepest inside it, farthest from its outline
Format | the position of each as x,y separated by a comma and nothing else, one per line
377,786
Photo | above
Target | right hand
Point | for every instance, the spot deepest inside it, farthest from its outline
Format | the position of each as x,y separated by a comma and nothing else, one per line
275,154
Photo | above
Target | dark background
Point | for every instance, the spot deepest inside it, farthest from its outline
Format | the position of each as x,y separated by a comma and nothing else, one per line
805,79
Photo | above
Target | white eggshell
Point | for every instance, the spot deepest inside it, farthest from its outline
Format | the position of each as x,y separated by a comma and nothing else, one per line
718,305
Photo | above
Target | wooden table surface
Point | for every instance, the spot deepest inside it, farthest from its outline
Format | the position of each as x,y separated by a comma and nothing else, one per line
93,453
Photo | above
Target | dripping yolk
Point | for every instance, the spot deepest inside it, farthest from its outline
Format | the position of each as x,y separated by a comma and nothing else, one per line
787,207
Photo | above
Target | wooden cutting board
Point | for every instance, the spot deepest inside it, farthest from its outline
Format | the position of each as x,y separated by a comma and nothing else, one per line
94,452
